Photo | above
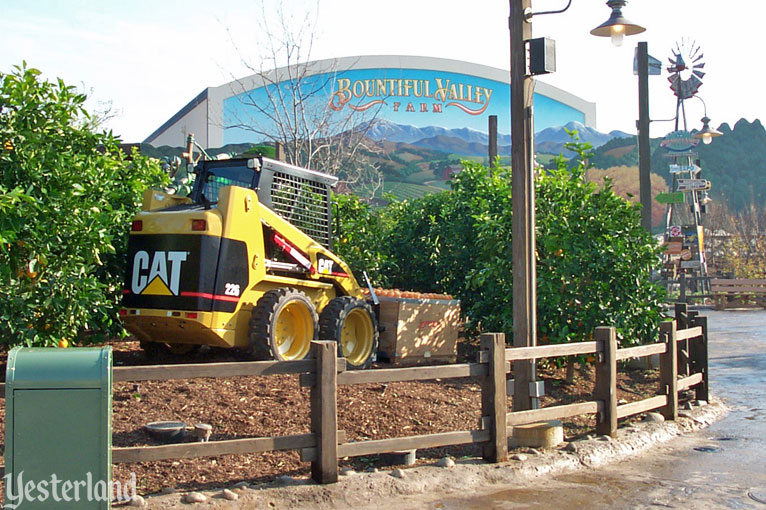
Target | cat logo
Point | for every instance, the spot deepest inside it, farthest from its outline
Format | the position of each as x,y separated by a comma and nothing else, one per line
160,277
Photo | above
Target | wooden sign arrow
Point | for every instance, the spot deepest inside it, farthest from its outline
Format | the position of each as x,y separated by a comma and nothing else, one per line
693,184
670,198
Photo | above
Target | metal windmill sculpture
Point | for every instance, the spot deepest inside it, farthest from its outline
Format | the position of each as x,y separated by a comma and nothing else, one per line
685,256
686,74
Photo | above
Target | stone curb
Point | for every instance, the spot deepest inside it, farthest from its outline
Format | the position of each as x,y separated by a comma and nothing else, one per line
433,482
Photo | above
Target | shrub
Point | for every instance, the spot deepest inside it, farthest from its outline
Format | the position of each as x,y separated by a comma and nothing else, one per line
594,261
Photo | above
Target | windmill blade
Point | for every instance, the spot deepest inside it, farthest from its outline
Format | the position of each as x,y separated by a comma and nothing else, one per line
699,66
695,49
698,58
699,74
694,84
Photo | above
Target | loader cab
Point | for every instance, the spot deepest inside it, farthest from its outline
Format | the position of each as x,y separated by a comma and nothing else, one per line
212,175
299,195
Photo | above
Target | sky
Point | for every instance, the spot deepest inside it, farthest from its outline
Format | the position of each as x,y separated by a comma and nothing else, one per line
145,59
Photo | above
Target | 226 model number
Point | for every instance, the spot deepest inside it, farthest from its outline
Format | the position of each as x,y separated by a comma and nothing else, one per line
231,289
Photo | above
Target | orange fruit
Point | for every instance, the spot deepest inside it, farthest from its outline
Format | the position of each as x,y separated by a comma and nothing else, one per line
63,343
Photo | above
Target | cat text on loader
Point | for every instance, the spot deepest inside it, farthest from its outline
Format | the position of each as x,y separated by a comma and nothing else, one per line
245,262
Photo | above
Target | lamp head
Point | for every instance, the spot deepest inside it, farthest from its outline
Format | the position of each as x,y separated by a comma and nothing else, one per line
706,134
617,26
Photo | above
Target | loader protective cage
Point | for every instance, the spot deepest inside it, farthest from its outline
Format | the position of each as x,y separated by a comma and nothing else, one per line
301,196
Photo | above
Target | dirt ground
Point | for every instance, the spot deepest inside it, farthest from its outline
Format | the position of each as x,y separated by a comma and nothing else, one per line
243,407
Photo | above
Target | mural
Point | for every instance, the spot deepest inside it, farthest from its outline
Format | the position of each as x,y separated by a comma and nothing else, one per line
402,97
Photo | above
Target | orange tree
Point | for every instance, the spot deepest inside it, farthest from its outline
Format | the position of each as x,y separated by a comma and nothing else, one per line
67,193
594,261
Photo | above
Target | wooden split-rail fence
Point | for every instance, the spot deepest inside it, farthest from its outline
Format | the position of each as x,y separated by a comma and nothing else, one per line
682,349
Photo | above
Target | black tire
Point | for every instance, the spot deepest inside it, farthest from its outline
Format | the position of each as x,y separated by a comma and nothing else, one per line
282,325
182,349
151,349
155,349
352,323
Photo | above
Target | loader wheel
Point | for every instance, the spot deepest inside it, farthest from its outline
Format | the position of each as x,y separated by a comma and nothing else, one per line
182,349
154,349
283,324
352,323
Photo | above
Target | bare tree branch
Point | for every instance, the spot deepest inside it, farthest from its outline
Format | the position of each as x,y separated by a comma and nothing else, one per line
288,100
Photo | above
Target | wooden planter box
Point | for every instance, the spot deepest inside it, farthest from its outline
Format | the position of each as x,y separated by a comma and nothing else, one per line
418,330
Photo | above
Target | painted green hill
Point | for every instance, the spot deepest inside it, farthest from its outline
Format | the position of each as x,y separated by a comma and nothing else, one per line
735,163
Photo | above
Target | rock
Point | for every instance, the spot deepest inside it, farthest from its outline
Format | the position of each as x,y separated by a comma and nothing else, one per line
397,473
445,462
240,486
400,458
656,417
195,497
284,480
605,438
571,447
622,401
532,451
347,472
372,470
203,431
700,403
545,434
137,501
167,490
689,406
519,456
231,496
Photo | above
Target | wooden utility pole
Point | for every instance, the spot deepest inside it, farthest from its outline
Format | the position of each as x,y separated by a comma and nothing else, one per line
644,152
492,140
523,204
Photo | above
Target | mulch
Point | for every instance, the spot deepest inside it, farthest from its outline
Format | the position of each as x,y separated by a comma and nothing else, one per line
241,407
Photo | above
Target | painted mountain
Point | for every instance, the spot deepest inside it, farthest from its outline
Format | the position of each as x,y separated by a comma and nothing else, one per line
470,142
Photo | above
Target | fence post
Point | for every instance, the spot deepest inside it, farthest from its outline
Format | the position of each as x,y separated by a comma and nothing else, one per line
682,296
669,370
606,381
683,321
324,412
700,359
494,405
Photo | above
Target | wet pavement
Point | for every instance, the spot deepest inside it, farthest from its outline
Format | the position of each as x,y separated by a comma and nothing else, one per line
721,467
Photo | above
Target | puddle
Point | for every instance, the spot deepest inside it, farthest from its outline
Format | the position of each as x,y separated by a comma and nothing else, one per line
757,495
707,449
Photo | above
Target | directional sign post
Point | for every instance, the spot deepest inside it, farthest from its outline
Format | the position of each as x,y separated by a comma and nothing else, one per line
693,184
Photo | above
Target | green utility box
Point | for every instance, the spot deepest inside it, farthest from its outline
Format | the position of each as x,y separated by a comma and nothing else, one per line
58,428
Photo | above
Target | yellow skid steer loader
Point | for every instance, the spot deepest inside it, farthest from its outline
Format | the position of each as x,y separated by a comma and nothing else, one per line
245,262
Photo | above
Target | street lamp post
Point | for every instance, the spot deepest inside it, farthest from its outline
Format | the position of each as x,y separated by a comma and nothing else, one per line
523,183
523,203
